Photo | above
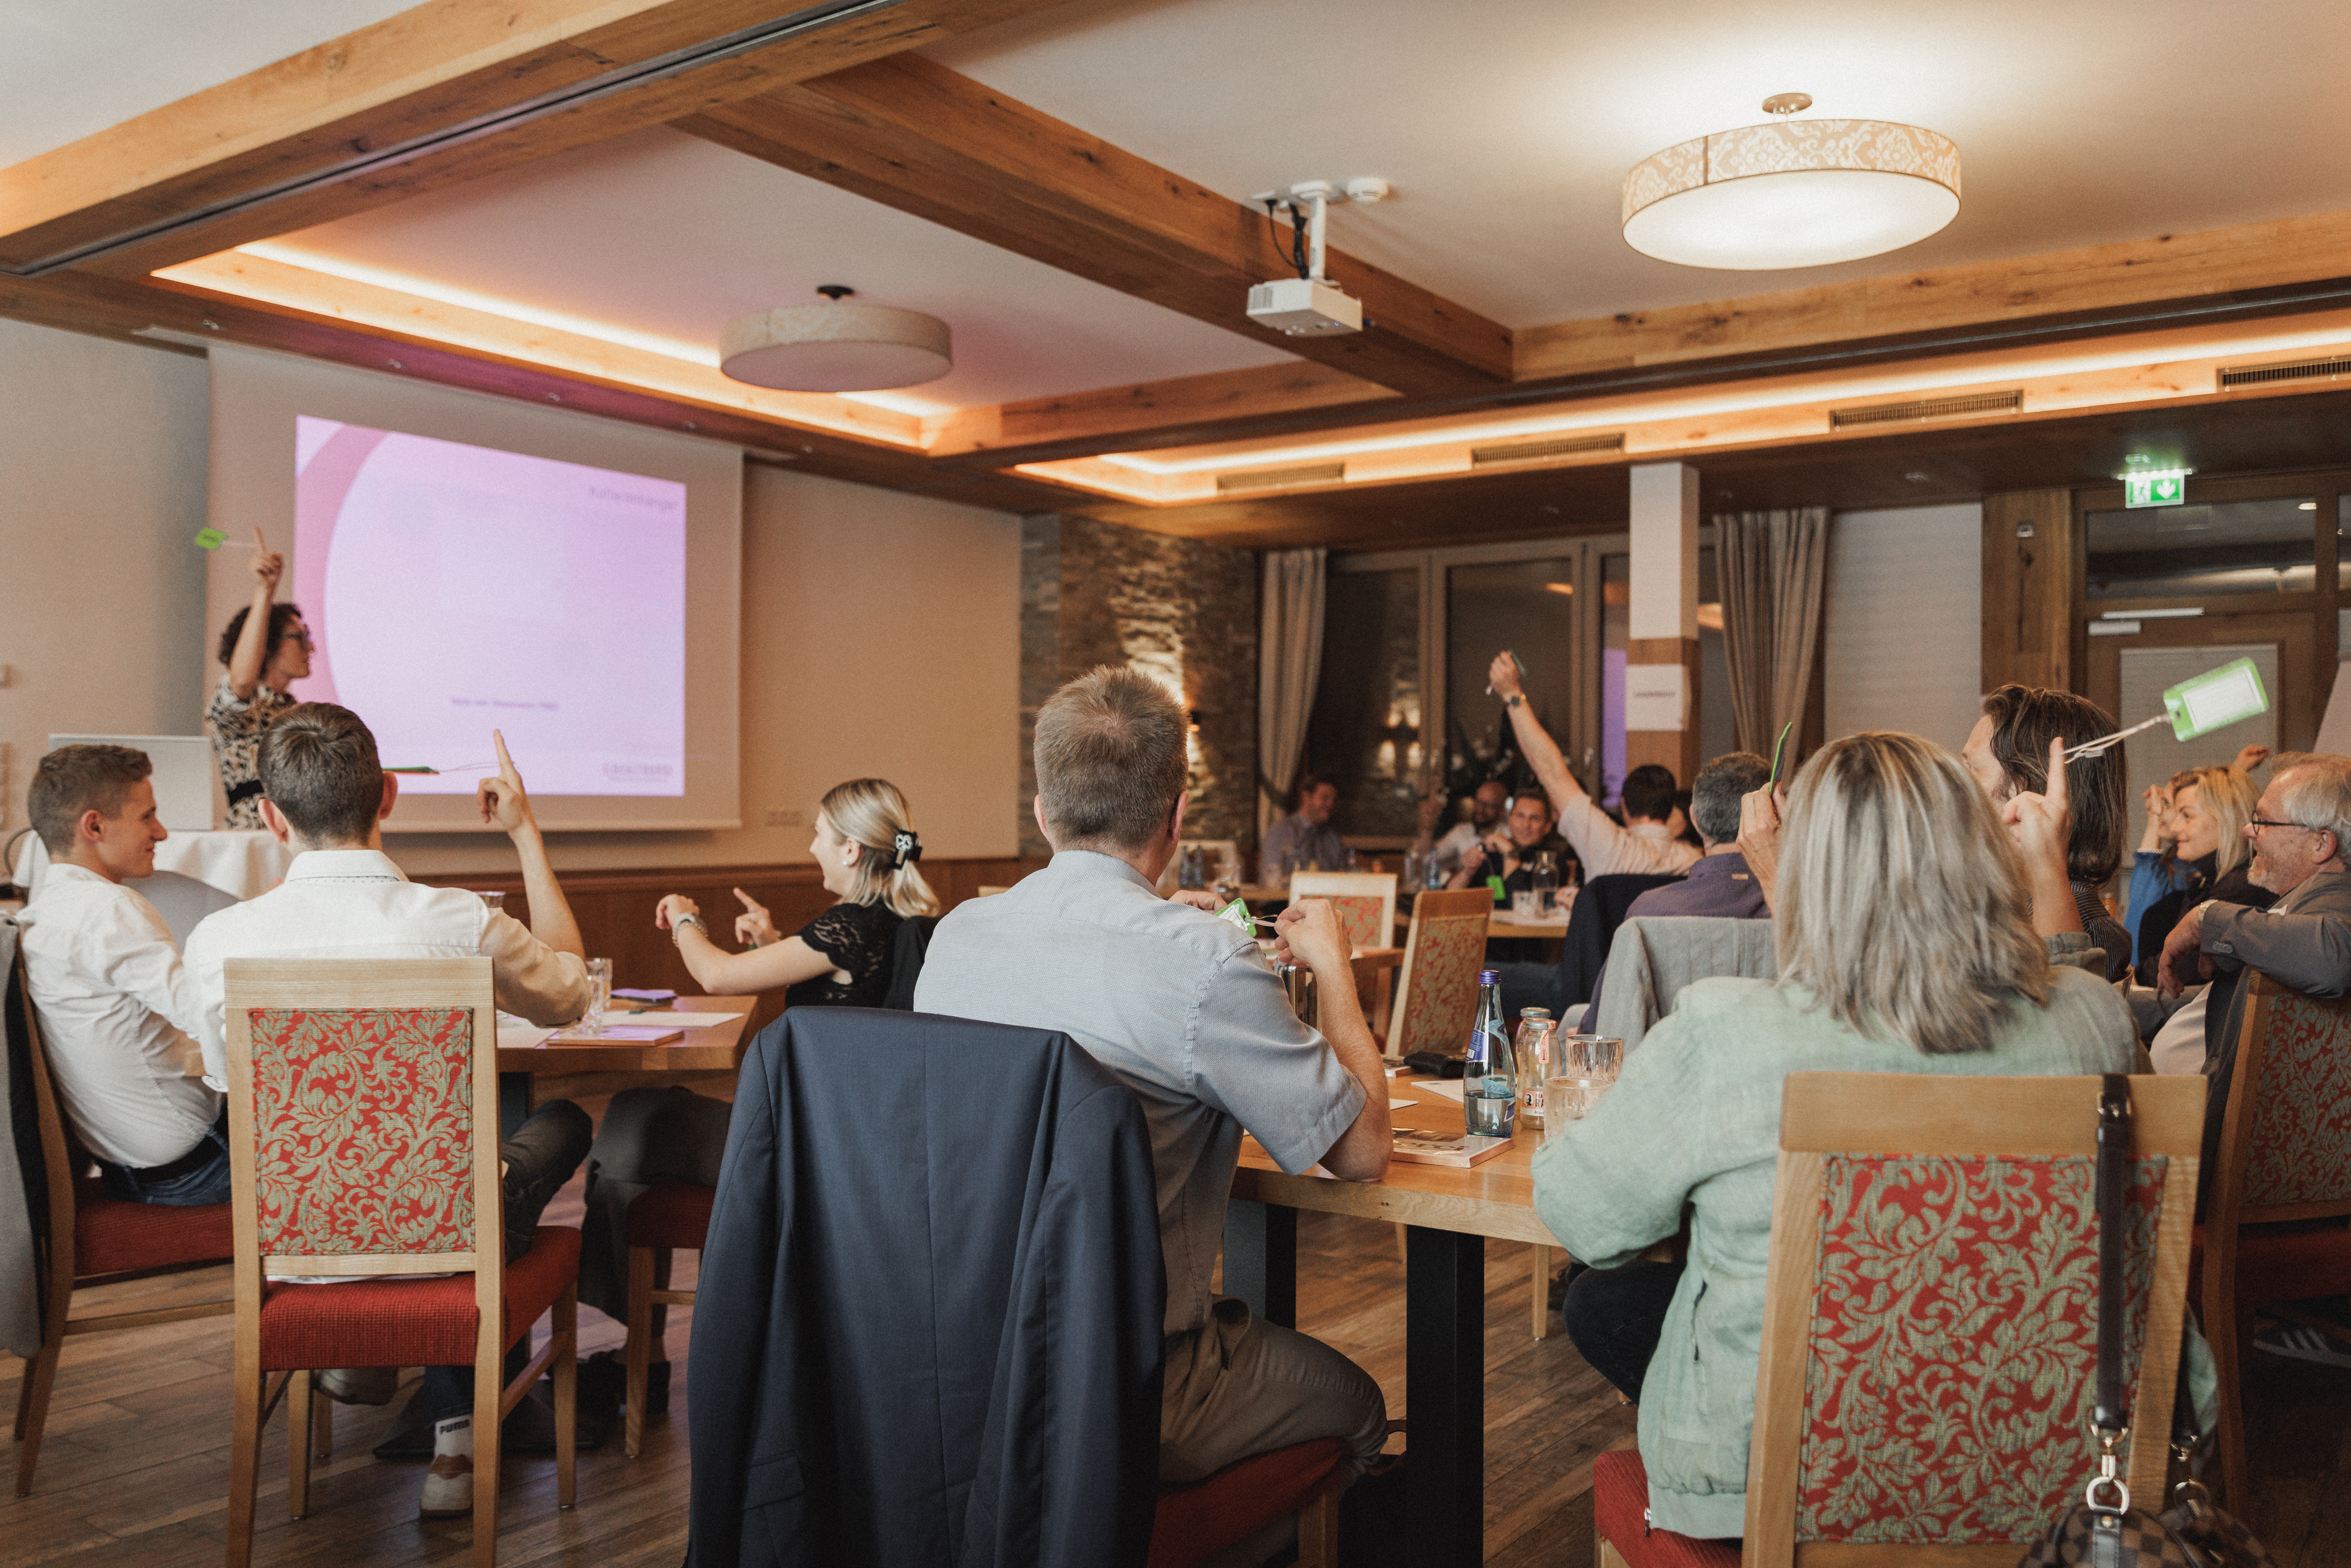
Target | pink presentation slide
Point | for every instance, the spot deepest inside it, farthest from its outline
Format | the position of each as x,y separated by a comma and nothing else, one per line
454,590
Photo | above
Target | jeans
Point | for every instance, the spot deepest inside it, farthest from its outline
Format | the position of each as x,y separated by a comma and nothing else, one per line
1615,1316
205,1181
539,1158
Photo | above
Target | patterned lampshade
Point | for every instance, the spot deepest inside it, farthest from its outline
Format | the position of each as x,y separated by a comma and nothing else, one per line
1796,193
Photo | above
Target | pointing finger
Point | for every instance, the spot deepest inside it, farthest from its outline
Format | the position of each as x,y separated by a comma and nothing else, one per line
505,763
2056,790
749,903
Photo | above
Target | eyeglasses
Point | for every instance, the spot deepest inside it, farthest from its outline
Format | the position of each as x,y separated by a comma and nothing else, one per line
2257,823
302,637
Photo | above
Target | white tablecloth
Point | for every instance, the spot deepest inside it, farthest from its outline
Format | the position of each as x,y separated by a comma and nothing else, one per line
195,873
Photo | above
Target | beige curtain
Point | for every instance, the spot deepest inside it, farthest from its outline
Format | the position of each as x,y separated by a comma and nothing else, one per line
1289,663
1773,568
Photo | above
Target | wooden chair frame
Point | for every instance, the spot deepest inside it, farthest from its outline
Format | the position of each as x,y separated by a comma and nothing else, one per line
1379,885
58,1161
2225,1320
340,985
1948,1115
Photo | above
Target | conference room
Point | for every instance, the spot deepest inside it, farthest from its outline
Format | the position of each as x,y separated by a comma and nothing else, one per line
1074,718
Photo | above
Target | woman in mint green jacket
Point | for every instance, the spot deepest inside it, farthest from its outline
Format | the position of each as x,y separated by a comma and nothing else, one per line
1904,915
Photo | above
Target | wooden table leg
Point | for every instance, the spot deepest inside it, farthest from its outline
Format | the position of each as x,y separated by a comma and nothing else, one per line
1541,1261
1261,1259
1444,1397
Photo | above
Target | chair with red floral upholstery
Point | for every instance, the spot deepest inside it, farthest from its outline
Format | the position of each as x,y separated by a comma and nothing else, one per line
358,1157
1364,901
1929,1350
1437,991
94,1239
2280,1185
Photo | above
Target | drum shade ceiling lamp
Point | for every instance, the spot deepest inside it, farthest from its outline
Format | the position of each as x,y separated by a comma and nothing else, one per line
1794,192
835,346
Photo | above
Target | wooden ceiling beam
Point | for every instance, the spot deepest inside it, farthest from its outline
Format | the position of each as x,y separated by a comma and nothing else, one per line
135,311
2093,287
447,91
1203,407
915,136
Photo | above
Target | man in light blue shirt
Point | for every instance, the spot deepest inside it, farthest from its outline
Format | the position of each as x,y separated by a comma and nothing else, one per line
1180,1006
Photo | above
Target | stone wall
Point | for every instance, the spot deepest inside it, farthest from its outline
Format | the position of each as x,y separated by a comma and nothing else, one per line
1093,593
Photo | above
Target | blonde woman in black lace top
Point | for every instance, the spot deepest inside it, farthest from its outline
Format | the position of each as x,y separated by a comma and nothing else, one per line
865,847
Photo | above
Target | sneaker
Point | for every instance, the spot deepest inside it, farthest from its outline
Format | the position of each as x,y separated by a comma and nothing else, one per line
359,1385
2299,1344
448,1487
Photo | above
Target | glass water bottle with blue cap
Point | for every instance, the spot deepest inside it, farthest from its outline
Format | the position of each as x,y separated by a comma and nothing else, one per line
1489,1089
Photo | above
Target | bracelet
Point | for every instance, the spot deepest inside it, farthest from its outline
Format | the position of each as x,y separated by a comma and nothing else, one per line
681,922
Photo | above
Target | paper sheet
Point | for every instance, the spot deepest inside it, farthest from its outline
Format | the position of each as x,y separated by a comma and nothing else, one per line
672,1021
1396,1105
1448,1087
522,1036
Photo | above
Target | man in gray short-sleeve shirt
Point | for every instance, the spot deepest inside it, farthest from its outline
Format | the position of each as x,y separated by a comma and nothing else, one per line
1181,1007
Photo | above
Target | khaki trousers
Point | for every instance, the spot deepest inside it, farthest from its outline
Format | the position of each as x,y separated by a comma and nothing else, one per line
1237,1386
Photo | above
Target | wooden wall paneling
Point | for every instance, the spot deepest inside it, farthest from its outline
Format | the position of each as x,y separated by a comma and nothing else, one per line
615,909
2031,589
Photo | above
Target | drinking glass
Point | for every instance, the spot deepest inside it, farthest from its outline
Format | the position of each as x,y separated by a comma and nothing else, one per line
599,995
1413,871
1588,1064
1523,906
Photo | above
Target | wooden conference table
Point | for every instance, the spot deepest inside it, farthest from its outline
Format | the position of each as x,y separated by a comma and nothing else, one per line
1447,1215
708,1055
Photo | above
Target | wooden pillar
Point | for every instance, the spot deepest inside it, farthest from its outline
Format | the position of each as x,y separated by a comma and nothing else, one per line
2031,590
1663,620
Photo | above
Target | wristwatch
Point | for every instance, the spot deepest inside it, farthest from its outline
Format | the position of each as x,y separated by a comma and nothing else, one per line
679,923
1516,699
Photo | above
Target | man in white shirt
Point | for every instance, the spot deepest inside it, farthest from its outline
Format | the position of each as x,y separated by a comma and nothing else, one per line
1485,807
1645,844
115,1005
325,794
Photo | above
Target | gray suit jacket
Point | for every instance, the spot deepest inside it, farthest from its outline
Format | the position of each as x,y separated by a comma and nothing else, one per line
2304,941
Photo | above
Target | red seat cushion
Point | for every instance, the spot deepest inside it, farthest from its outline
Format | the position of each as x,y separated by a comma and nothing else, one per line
114,1236
674,1214
388,1321
1620,1496
2281,1264
1239,1500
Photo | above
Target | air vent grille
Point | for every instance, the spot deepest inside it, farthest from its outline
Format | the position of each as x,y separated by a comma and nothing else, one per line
1276,478
1927,408
1536,451
2300,370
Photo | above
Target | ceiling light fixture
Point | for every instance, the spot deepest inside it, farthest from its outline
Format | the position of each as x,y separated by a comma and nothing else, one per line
834,347
1792,192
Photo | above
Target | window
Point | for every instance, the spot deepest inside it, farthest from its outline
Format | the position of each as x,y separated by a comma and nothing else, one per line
2219,547
1364,735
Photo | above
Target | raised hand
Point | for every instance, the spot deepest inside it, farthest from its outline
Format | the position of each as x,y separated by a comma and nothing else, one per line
268,566
1504,676
675,906
2250,757
502,799
1760,815
753,928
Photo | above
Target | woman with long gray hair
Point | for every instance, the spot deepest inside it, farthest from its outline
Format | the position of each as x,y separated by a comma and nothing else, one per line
1902,909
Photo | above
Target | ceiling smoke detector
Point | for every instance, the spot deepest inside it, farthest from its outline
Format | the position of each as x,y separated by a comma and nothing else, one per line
835,346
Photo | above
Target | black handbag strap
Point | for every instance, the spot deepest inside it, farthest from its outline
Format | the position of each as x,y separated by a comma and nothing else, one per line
2111,1413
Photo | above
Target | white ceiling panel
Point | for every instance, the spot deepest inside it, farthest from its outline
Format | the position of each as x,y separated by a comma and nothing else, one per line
1507,125
661,236
71,67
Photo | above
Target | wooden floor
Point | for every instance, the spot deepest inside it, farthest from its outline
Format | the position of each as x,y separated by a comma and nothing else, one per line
134,1471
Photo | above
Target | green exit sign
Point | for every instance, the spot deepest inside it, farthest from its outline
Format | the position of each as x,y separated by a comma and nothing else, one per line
2154,489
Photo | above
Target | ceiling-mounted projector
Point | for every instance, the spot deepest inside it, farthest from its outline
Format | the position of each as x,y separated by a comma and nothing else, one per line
1305,307
1309,305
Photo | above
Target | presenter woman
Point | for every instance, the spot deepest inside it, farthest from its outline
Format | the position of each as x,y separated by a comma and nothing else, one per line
267,649
865,849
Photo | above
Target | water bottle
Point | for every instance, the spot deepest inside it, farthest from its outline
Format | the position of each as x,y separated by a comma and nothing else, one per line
1546,882
1489,1088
